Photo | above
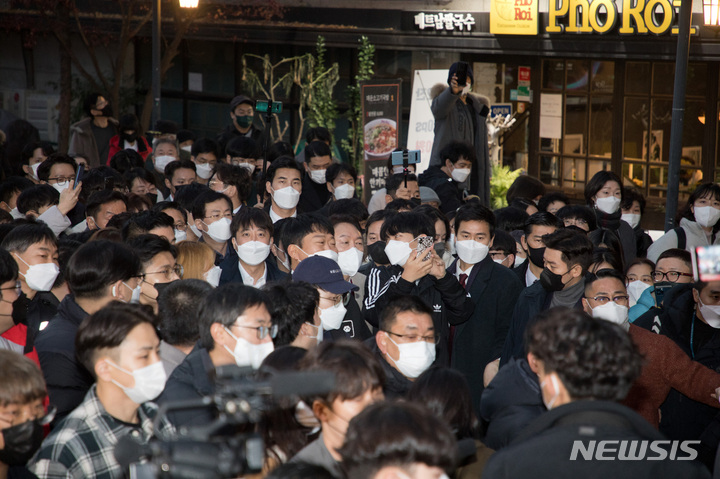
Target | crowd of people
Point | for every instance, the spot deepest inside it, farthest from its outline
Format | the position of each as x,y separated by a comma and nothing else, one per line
163,289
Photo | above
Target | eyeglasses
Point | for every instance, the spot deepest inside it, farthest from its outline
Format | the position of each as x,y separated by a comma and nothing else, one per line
219,215
180,226
214,183
413,338
262,331
61,180
619,299
337,299
671,276
168,272
17,288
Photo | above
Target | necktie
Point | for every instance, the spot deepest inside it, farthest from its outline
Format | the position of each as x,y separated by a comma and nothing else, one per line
463,280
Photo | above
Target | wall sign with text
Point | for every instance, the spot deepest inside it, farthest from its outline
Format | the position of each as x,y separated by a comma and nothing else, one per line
445,21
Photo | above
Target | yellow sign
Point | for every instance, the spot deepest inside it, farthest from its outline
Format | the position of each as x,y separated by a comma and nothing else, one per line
601,16
514,17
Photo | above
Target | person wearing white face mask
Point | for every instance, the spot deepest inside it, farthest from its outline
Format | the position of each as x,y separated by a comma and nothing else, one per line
98,273
341,179
493,290
165,151
349,243
447,180
212,213
632,208
315,192
118,345
604,193
339,318
698,224
309,235
284,185
666,366
417,271
581,385
235,328
252,235
204,153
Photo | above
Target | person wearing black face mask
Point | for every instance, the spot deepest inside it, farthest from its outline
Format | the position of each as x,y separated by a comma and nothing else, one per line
538,225
91,136
567,257
129,137
22,416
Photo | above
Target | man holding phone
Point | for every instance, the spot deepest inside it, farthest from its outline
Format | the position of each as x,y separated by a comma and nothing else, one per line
460,115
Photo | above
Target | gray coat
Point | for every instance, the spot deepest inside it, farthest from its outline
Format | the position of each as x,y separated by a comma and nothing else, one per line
450,125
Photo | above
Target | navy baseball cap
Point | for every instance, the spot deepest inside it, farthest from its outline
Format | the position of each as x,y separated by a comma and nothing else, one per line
323,273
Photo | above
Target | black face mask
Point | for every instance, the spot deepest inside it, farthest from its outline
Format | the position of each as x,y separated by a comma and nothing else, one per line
550,281
152,197
536,256
21,442
129,137
415,201
660,289
107,112
439,248
377,252
20,309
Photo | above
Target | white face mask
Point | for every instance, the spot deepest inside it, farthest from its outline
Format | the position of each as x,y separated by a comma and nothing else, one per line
326,253
318,335
204,170
414,358
519,260
466,89
60,187
345,191
498,261
460,174
180,236
635,290
318,176
350,261
34,169
471,251
331,318
250,167
611,311
162,161
220,230
40,277
247,353
212,276
549,404
187,148
706,216
253,252
632,219
609,204
195,231
398,252
710,313
135,298
149,382
286,198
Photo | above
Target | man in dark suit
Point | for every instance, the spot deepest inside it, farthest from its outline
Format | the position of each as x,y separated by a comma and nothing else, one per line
536,227
493,288
252,233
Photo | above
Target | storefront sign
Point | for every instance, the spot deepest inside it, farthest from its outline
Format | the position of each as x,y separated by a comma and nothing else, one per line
601,16
514,17
421,131
550,115
502,109
445,21
381,126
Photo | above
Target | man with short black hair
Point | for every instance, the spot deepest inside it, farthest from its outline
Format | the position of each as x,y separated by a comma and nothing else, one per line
204,153
252,237
235,328
242,112
293,307
234,182
308,235
283,184
102,206
396,188
447,178
537,226
158,266
44,203
315,192
118,345
98,273
212,213
179,173
150,222
567,256
178,309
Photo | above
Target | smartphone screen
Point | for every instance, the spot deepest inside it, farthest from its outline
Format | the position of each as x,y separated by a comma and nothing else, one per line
78,176
462,73
708,263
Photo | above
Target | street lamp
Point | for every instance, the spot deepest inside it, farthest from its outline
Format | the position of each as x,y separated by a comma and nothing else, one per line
711,12
156,35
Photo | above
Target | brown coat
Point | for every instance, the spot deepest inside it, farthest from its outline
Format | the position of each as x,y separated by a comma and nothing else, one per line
667,366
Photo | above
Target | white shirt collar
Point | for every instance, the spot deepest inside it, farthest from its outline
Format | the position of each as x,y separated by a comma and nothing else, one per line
249,281
530,278
235,211
458,271
275,217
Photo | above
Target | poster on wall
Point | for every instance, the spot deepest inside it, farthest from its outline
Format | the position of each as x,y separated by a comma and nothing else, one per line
380,101
421,131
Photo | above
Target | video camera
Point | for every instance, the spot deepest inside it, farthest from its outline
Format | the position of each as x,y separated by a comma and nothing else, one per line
224,448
